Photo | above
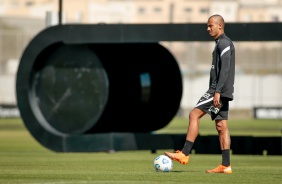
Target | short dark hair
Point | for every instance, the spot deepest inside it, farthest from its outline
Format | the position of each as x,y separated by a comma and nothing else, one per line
219,18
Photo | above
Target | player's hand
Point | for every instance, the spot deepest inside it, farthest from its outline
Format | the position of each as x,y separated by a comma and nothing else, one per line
216,100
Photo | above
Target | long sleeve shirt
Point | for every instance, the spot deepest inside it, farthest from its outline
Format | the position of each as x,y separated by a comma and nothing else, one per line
222,71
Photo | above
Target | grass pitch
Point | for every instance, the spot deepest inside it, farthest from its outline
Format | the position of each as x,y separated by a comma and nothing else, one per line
243,127
23,160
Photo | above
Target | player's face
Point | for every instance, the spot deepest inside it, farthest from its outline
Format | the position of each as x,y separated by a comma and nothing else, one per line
213,28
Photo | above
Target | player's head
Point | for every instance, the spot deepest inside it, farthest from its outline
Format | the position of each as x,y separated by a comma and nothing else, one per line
215,26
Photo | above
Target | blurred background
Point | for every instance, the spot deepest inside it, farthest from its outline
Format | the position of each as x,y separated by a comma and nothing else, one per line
258,64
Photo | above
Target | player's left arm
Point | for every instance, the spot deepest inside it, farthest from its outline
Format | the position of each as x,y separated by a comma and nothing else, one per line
225,61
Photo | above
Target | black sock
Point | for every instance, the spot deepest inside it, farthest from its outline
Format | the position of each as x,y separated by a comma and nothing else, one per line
226,157
187,147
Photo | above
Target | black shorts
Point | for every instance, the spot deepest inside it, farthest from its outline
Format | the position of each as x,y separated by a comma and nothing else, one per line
206,105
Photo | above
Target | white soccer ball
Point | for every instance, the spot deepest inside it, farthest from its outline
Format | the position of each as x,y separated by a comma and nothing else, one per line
163,163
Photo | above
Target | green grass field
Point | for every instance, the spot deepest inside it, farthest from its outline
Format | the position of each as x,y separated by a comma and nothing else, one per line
23,160
248,127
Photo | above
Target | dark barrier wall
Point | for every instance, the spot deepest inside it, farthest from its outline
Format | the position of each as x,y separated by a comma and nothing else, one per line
69,88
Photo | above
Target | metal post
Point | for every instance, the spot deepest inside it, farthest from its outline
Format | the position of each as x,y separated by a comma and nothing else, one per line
60,11
171,12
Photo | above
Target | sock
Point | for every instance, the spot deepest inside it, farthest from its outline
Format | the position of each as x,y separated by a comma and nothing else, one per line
226,157
187,147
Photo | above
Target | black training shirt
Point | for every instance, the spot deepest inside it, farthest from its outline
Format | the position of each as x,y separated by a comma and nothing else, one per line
222,72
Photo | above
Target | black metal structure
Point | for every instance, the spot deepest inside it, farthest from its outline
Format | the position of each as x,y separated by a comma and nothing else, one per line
80,86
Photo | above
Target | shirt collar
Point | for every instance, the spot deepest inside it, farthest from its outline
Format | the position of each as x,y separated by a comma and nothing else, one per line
220,36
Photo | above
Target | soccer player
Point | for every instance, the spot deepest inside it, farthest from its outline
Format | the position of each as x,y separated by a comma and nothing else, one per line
216,100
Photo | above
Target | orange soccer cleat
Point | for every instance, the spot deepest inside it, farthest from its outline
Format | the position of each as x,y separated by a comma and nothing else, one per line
178,156
221,169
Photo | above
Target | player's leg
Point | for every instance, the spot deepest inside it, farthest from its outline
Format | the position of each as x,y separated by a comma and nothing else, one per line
192,133
223,133
194,124
224,139
221,124
193,129
201,108
195,115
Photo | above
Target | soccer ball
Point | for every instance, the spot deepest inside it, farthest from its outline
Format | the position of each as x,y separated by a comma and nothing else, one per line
163,163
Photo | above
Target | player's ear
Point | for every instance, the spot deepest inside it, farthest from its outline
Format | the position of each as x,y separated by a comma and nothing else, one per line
220,25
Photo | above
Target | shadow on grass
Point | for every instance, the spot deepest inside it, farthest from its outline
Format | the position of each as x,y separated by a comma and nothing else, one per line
179,171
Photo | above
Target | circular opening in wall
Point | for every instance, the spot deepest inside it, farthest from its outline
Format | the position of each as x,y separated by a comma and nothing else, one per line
69,89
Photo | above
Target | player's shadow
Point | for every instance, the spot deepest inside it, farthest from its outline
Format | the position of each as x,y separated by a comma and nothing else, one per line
179,171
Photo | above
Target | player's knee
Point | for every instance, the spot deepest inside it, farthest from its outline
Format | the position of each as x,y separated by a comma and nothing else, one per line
219,128
221,125
193,115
